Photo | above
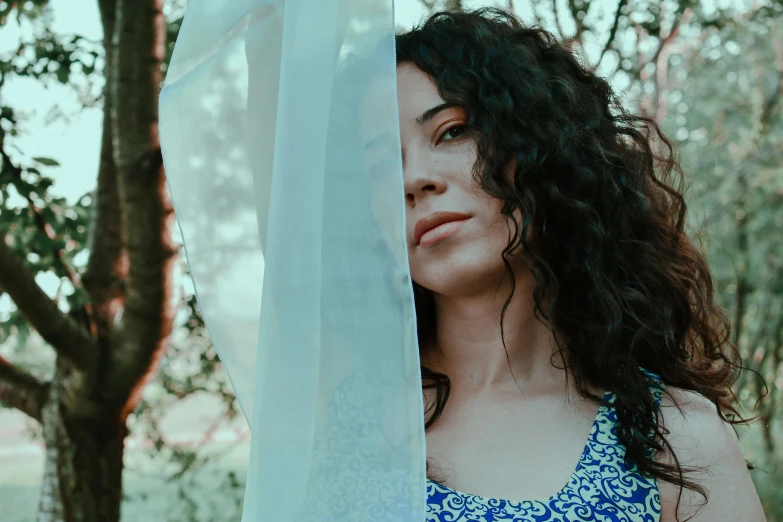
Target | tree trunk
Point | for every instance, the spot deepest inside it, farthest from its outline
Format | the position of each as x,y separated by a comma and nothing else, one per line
103,364
83,477
83,467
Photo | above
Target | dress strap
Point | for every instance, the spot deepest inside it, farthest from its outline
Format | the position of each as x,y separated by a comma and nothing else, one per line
607,415
656,384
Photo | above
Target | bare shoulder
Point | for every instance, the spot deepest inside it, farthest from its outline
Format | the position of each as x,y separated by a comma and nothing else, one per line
692,418
701,439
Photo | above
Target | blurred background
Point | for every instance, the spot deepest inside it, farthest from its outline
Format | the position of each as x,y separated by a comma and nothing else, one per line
81,181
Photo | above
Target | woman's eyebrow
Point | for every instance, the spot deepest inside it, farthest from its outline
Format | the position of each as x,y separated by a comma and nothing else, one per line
431,113
424,118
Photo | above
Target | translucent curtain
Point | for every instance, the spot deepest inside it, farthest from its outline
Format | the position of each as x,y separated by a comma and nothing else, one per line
293,226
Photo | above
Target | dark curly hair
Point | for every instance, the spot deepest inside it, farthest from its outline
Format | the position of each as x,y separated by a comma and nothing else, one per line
617,280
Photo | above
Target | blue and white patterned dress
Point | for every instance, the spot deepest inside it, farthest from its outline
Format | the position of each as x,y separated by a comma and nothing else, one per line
601,489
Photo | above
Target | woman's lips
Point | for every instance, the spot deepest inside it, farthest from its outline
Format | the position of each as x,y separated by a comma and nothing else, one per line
440,232
433,220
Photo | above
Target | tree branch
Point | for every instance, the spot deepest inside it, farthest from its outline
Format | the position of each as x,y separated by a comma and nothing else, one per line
559,26
613,30
21,390
107,266
661,58
46,229
539,21
429,5
68,338
455,6
147,213
579,23
108,8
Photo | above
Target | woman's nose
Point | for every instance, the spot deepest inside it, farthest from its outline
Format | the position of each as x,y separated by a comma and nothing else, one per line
417,186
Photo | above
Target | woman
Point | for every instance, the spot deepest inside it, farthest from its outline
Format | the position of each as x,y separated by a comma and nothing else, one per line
560,265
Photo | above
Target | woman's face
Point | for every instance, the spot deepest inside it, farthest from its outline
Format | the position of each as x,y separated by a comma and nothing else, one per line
437,166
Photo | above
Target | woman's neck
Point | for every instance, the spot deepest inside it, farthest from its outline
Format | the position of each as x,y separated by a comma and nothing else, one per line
469,349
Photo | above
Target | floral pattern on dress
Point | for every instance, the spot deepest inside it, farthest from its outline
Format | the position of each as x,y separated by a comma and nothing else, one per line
603,488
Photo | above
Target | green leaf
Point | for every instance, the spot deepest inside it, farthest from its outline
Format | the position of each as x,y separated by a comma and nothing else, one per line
49,162
63,74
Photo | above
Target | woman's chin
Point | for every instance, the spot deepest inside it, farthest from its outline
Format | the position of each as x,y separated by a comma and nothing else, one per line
456,285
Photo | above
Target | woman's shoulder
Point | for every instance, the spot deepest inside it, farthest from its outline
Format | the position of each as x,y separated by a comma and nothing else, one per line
702,440
688,415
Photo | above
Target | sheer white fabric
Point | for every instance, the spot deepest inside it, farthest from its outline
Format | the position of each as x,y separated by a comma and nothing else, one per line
266,119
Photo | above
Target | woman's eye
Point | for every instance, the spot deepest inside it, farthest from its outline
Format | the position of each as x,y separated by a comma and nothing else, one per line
454,133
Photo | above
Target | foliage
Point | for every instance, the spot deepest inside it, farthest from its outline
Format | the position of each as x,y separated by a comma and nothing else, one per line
727,113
